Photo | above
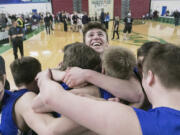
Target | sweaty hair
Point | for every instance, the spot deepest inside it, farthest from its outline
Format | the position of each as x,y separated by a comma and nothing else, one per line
163,61
24,70
80,55
93,25
118,62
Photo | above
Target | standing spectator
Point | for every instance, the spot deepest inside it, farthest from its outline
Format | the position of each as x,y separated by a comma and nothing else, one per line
167,13
75,19
96,18
107,18
60,16
176,15
79,21
47,22
13,18
116,27
155,14
16,39
85,19
64,20
21,24
3,22
102,16
128,26
51,21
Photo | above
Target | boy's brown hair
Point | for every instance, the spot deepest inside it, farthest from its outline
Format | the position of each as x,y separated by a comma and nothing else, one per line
24,70
163,61
81,55
145,48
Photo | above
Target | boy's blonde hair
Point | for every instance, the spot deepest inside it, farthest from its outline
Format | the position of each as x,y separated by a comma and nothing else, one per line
118,62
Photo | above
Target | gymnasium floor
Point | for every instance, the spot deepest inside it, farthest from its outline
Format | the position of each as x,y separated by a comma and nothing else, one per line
48,48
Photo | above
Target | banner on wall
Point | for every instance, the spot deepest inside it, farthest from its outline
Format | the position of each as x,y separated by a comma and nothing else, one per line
22,1
164,8
95,7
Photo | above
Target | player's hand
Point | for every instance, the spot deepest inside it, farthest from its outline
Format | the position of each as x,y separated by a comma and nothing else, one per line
48,89
74,76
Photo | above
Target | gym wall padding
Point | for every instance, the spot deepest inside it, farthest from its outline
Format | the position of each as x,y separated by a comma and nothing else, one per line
59,5
139,7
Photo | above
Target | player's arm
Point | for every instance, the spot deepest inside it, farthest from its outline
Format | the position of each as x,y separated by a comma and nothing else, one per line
102,117
57,75
42,123
123,89
88,91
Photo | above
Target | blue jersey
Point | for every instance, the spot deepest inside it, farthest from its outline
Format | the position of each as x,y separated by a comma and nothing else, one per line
7,125
65,86
104,94
159,121
135,70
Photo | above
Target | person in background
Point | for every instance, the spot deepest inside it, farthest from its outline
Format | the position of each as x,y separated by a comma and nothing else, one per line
102,16
85,19
21,24
127,26
47,22
116,27
107,19
16,39
65,21
176,15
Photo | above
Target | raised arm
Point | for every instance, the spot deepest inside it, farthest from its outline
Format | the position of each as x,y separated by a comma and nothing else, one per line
129,90
102,117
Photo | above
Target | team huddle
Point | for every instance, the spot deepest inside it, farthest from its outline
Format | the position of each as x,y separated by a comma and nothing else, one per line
97,89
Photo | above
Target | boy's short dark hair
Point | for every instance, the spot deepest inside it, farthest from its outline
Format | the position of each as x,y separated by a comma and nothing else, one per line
94,25
118,62
80,55
24,70
163,61
145,48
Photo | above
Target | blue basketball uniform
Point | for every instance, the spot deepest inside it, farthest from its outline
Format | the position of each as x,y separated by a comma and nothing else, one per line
135,70
104,94
159,121
7,125
65,86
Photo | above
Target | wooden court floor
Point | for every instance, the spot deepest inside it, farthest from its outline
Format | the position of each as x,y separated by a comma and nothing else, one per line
48,48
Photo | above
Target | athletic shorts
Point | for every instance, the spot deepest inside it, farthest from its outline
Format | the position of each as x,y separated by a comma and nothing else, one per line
127,28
